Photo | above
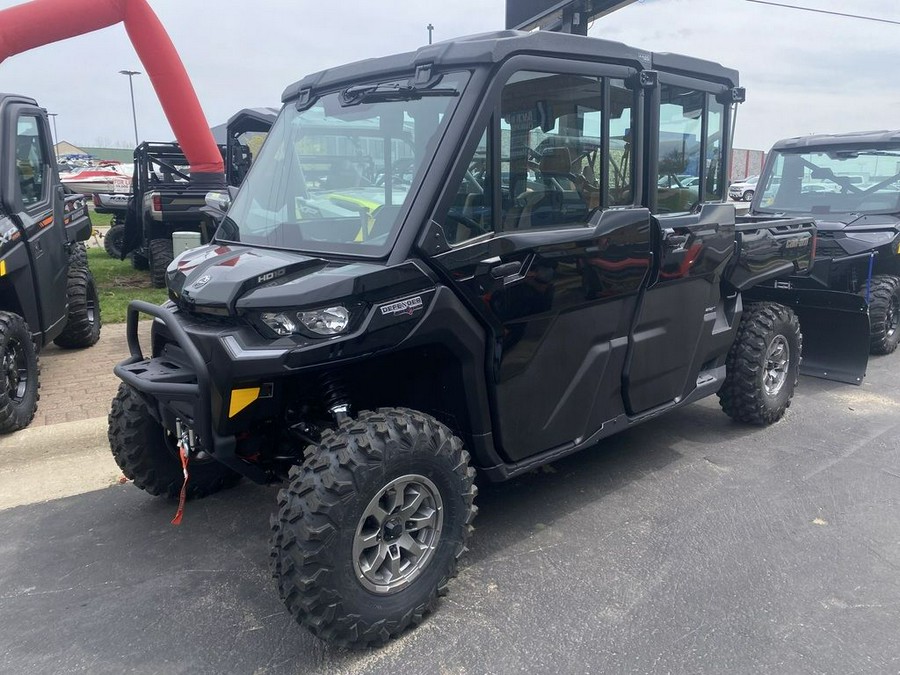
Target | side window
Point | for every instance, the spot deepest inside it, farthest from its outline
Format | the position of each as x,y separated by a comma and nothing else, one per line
550,150
471,213
715,185
680,135
30,161
621,110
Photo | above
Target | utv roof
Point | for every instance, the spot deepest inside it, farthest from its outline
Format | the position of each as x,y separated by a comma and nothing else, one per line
852,138
4,98
489,48
264,115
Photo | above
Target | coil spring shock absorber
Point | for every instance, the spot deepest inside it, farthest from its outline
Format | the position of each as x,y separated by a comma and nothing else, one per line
335,396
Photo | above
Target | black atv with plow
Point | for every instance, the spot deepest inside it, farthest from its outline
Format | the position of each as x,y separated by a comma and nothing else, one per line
850,184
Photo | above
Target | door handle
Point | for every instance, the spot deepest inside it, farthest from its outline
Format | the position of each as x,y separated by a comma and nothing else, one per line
677,241
506,270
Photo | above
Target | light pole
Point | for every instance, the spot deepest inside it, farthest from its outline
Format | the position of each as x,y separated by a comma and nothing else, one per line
52,117
429,28
131,74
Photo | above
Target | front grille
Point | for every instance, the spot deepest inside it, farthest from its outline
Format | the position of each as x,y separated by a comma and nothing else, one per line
827,247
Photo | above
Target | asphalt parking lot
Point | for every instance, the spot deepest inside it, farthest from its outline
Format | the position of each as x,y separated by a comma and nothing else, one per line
690,544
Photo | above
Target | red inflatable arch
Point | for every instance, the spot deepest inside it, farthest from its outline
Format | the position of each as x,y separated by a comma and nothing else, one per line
42,22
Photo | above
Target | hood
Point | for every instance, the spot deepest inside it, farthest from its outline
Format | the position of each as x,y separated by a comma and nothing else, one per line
227,280
852,234
854,221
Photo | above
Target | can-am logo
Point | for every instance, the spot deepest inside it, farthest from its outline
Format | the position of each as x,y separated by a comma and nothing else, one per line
403,306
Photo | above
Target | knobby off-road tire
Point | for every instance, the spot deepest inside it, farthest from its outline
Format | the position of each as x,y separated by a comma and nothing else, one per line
324,557
19,373
884,314
113,241
148,456
139,261
763,365
160,257
83,321
78,255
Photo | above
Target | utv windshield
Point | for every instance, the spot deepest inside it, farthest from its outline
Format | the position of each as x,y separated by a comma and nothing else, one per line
335,177
858,180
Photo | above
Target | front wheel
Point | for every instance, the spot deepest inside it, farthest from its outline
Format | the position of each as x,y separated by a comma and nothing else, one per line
139,260
148,455
763,365
369,530
884,314
748,196
19,372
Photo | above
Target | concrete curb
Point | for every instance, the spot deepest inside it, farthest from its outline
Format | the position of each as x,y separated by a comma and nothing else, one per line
53,439
40,464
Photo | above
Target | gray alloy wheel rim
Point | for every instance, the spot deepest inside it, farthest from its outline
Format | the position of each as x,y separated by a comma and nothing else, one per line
397,534
778,357
15,371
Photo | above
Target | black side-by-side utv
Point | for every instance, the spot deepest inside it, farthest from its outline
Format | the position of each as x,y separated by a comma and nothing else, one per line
850,184
455,259
47,292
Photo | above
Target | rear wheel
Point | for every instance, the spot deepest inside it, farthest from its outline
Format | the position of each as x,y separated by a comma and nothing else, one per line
83,321
369,530
884,314
113,241
160,256
763,365
78,255
19,373
148,455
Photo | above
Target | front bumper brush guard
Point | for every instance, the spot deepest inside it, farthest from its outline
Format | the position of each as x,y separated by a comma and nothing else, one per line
222,448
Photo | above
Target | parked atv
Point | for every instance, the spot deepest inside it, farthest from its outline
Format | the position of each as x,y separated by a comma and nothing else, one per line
47,292
422,276
850,183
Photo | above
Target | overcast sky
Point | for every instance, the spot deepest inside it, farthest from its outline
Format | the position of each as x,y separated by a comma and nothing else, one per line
804,73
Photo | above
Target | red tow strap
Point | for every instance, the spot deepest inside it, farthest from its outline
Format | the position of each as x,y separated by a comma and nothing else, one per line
183,451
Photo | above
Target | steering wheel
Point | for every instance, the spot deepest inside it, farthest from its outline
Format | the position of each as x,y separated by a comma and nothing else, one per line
399,171
473,187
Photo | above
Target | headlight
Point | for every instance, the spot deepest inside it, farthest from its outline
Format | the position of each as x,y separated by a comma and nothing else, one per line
280,323
325,321
328,321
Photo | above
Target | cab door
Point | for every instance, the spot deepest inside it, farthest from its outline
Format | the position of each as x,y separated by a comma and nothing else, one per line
32,194
539,231
676,321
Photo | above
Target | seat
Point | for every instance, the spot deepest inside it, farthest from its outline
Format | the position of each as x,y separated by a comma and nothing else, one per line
556,164
544,204
343,175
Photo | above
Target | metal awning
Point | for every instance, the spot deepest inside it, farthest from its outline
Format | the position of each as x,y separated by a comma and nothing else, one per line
570,16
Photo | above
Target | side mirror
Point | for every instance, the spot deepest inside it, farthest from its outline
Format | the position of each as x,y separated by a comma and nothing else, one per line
219,201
